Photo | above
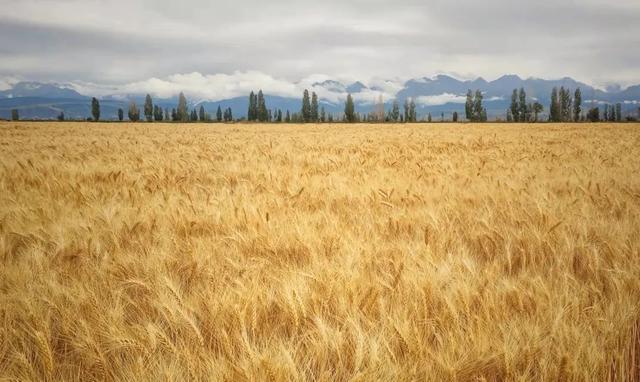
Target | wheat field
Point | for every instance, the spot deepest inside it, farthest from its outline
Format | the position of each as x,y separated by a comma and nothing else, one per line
319,252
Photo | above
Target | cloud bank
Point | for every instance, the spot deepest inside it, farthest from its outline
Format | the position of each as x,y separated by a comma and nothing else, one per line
126,41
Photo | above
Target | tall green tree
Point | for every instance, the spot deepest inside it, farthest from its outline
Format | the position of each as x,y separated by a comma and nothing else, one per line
593,115
134,112
406,110
468,106
95,109
612,113
306,106
323,115
201,114
287,118
395,111
120,115
349,110
515,108
413,117
252,113
219,114
158,113
15,115
565,105
314,107
522,106
577,103
455,116
429,117
228,115
477,106
148,108
554,107
537,109
182,112
262,112
618,112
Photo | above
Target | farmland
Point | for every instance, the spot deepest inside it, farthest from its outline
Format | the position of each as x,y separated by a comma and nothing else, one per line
319,252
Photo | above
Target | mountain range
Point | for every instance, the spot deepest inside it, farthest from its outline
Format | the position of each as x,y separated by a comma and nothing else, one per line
437,95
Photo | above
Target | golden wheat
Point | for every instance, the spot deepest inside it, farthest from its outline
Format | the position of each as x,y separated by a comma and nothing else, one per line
332,253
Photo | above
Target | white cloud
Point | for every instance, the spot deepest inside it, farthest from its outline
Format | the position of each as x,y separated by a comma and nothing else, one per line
440,99
103,41
7,82
215,87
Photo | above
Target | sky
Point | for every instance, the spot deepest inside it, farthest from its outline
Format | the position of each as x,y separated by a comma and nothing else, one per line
219,48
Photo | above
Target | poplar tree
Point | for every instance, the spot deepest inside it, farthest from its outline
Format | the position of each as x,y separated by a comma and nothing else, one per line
577,103
468,106
15,115
515,108
262,112
314,107
323,115
157,113
148,108
412,111
95,109
593,115
219,114
395,111
406,110
565,105
618,112
522,106
306,107
252,112
349,109
554,107
134,112
612,113
537,108
201,114
120,115
477,107
182,113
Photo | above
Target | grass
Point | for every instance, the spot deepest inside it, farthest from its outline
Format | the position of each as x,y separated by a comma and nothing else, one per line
332,253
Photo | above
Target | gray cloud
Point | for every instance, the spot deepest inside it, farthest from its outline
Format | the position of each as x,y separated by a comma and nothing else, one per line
120,41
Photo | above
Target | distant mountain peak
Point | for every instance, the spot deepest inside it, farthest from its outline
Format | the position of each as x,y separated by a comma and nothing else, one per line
356,87
39,89
331,85
512,77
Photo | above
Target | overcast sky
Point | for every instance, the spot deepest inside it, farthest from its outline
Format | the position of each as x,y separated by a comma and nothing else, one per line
158,43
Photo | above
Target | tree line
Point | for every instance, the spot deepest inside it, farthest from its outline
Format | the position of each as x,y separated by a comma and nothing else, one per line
564,106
